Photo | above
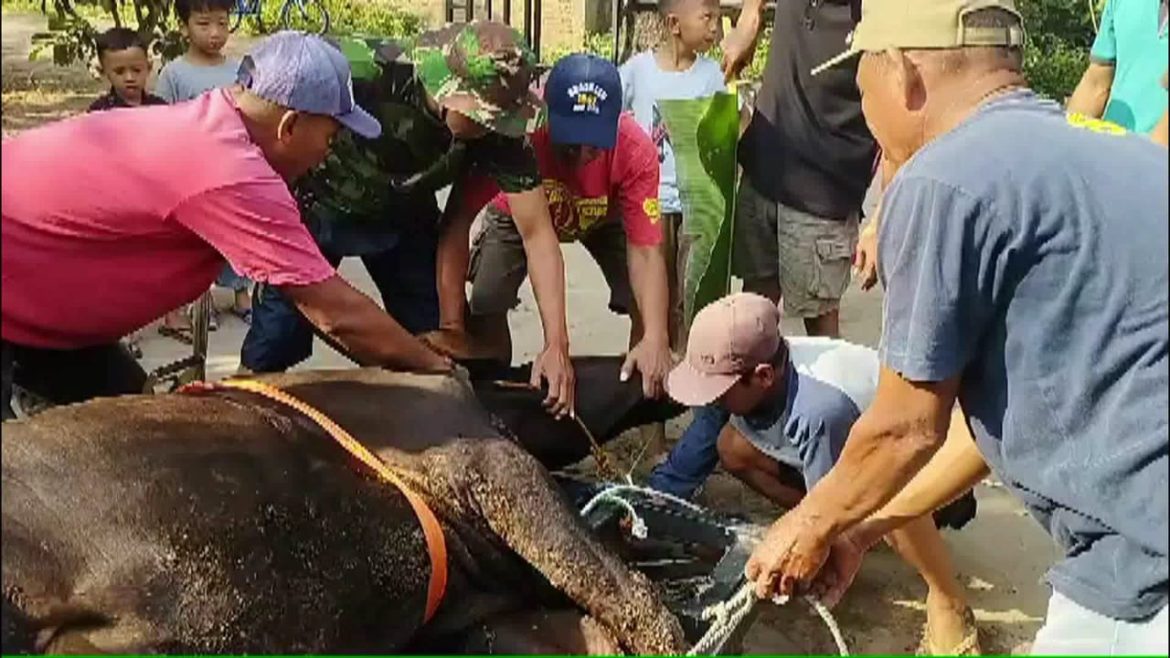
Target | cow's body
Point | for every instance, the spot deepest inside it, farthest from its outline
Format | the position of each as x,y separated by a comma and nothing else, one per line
224,522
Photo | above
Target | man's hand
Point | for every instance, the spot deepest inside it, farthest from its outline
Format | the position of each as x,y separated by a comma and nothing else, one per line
739,46
865,260
553,365
790,555
835,577
654,361
455,342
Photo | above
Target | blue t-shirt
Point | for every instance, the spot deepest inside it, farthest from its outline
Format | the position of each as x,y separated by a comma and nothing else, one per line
1133,40
643,85
181,80
1027,255
827,384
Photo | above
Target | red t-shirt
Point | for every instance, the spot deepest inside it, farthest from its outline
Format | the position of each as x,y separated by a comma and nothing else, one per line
111,219
579,199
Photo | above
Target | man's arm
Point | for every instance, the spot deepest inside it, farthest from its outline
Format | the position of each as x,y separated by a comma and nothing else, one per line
360,327
951,472
546,271
740,44
1159,134
453,254
1092,92
895,437
546,265
651,356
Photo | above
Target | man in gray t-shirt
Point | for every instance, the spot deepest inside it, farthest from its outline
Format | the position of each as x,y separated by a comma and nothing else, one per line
791,408
1024,258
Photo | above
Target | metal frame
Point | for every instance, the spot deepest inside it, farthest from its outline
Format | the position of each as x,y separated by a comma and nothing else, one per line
532,16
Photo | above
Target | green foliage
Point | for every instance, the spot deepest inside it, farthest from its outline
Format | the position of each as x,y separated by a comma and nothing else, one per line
703,133
346,17
1060,34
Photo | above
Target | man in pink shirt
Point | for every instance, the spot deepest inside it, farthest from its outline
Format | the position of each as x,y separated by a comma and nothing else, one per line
111,219
600,173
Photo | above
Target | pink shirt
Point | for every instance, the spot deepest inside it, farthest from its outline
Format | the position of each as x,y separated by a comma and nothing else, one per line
621,183
111,219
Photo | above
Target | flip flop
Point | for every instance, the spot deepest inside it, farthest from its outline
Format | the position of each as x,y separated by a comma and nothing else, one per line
182,335
244,315
968,646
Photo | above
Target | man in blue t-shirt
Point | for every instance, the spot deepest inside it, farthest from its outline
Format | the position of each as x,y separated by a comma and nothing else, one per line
791,404
1023,254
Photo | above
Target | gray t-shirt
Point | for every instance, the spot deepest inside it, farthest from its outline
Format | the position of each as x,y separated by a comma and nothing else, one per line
830,382
180,80
1027,256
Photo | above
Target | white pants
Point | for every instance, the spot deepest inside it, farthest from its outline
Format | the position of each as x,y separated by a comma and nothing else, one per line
1070,629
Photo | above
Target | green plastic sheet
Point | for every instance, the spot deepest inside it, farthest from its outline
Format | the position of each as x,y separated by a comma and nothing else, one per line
704,133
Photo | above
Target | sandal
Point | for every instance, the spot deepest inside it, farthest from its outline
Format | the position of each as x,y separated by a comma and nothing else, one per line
968,646
181,334
245,315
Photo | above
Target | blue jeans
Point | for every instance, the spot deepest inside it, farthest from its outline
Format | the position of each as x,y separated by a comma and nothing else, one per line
280,337
694,457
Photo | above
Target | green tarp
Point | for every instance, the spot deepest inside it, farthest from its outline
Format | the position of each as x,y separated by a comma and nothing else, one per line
704,134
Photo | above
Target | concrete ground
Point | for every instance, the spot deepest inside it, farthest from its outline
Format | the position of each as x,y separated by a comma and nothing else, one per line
1000,556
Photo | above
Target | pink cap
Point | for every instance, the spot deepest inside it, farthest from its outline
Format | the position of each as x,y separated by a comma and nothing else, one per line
728,339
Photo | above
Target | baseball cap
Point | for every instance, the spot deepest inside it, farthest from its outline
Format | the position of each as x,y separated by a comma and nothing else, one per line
914,24
728,339
481,69
305,73
584,98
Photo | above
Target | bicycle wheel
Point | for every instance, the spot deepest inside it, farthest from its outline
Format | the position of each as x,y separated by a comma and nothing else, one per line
305,15
237,15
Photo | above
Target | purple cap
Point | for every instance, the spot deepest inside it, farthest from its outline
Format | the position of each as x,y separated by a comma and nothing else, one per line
303,72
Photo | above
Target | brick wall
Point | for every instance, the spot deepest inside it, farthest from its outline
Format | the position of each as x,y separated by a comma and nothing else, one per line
563,22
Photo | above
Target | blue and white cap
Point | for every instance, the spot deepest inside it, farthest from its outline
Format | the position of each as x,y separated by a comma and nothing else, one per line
303,72
584,99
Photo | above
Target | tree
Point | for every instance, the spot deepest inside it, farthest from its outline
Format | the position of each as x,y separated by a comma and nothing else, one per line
71,35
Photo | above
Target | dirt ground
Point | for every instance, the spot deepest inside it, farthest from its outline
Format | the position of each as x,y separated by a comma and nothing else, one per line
1001,556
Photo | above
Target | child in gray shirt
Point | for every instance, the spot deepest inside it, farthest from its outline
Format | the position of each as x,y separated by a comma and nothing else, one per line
205,24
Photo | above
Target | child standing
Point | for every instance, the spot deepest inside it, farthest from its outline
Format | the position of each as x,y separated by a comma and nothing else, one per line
123,61
205,25
676,69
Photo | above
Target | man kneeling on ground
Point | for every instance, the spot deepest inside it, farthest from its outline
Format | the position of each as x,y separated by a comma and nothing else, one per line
783,418
600,171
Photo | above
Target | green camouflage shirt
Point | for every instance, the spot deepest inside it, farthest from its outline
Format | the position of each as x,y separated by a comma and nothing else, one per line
394,178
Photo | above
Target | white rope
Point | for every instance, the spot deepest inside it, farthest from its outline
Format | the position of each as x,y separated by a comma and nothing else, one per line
725,616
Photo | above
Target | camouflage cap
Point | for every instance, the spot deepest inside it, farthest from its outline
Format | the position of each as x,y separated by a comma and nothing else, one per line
482,69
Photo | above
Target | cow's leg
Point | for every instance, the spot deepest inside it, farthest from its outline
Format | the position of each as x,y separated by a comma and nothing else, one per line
520,504
543,632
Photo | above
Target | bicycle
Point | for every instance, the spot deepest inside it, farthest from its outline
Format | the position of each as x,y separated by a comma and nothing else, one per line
305,15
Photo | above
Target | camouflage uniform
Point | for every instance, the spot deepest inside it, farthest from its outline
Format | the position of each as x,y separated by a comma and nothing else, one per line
376,198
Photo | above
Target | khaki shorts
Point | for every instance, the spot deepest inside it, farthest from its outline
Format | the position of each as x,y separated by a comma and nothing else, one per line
499,264
809,256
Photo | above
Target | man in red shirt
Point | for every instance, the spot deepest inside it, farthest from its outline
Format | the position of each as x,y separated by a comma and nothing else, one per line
111,219
600,173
